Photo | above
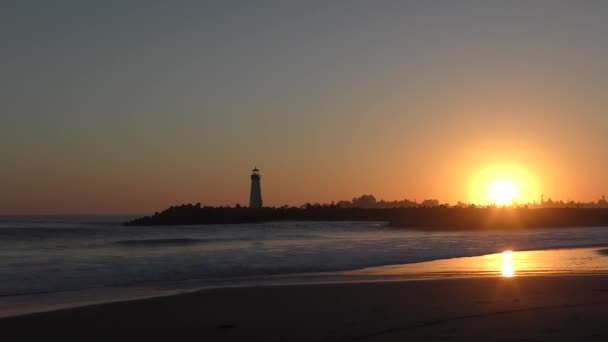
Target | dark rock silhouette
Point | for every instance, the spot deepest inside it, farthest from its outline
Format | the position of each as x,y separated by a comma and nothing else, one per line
439,217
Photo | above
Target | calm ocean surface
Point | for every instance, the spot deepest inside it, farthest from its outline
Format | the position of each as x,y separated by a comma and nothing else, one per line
62,253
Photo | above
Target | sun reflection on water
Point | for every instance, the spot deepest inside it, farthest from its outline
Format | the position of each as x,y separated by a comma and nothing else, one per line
507,264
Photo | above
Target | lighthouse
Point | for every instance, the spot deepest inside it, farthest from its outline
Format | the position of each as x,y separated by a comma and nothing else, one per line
255,197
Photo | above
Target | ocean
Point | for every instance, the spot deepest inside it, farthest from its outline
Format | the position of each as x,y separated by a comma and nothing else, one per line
53,254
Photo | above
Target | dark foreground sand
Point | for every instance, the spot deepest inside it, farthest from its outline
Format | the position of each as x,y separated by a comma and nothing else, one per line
549,308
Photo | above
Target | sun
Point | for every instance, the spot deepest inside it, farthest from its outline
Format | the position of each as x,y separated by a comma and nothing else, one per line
503,192
503,185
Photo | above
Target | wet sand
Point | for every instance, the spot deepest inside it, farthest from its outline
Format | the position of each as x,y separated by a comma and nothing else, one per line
569,260
556,308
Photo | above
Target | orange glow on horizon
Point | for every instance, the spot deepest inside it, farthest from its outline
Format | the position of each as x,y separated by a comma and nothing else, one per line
503,185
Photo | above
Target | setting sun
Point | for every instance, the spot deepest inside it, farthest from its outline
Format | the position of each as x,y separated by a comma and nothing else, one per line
503,185
503,192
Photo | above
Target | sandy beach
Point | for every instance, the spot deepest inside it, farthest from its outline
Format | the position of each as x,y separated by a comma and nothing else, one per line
562,308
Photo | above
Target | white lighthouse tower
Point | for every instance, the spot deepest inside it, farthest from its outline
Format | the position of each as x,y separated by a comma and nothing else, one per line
255,197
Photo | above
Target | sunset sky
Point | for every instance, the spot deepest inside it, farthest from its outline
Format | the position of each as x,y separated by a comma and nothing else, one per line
133,106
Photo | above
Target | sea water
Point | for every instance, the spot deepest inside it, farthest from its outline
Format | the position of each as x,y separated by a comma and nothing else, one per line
61,253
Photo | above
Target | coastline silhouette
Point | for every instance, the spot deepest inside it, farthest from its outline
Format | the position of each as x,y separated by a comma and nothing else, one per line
418,215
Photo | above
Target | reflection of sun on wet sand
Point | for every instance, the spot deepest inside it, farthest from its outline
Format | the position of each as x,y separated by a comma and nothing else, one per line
507,264
555,308
588,260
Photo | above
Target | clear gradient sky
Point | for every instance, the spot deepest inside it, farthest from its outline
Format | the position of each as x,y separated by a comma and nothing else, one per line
132,106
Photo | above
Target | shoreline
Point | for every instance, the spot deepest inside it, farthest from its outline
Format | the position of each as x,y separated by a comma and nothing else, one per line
28,304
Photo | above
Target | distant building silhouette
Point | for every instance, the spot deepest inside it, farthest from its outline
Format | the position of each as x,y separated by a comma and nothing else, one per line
255,197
